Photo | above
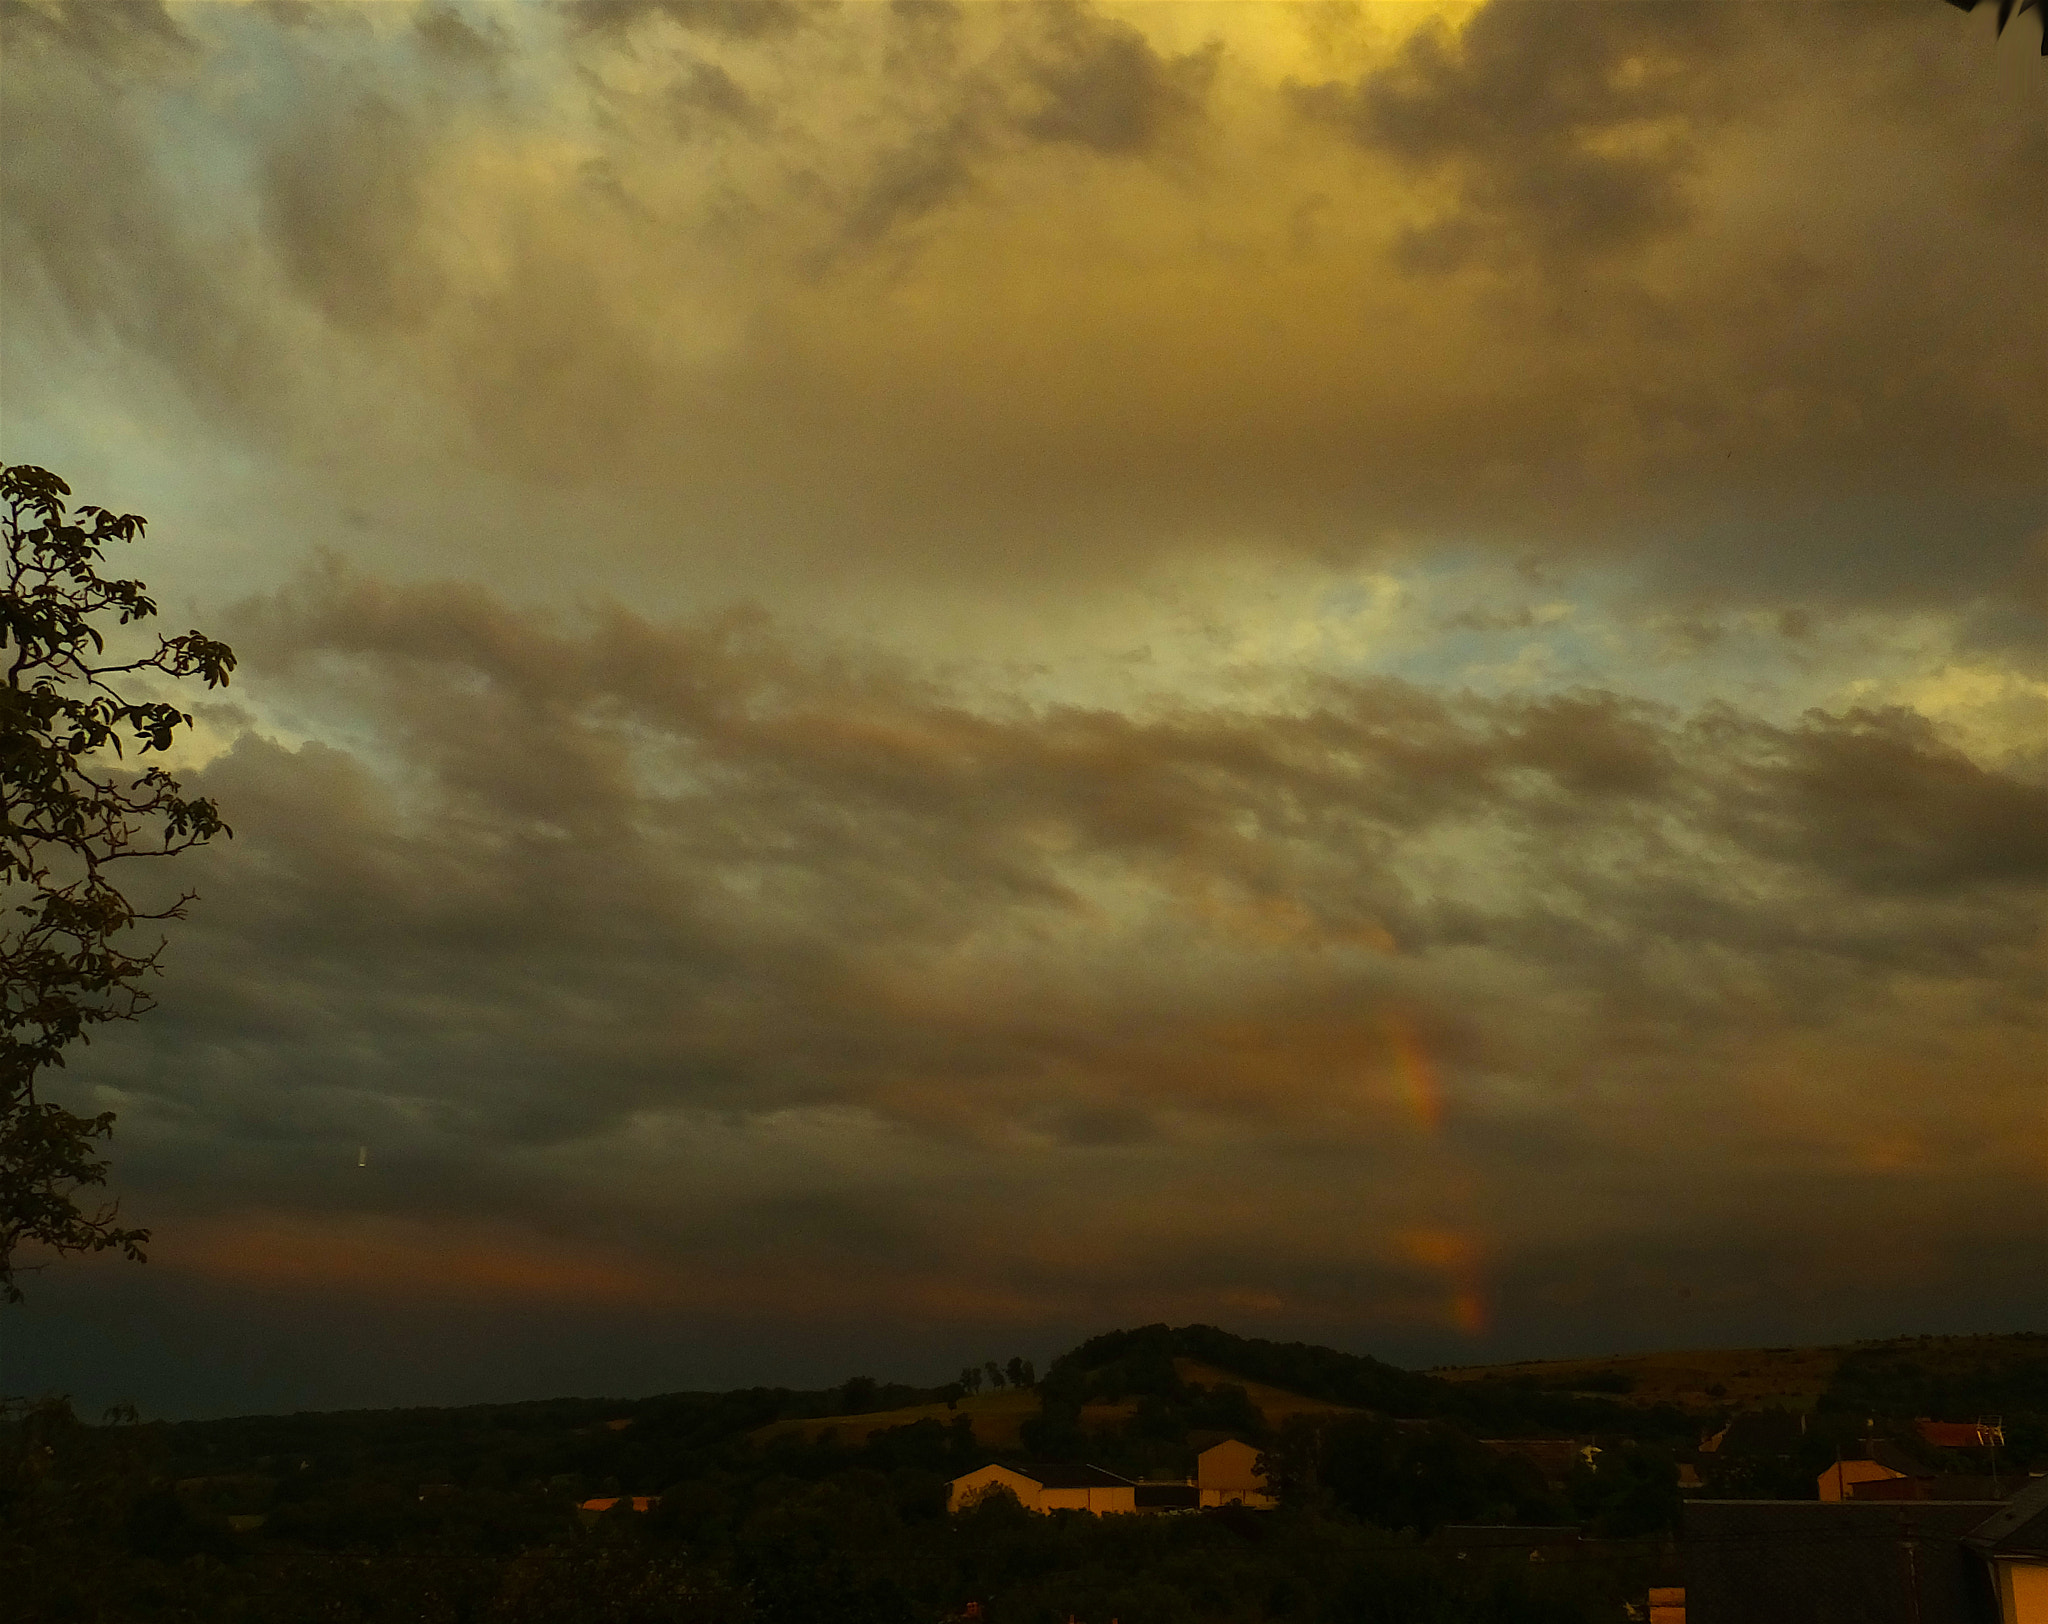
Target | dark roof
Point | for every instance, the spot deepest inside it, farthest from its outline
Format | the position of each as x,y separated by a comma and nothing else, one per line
1062,1475
1798,1561
2017,1528
1762,1432
1942,1486
1892,1457
1956,1434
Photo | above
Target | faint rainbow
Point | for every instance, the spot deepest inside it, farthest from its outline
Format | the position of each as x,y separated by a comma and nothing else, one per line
1457,1256
1415,1074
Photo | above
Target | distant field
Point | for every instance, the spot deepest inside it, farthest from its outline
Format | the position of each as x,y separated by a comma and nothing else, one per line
1698,1379
996,1417
1693,1379
1276,1404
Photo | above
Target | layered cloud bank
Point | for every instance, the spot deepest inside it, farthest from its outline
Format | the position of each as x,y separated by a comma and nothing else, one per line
1378,669
1734,285
773,983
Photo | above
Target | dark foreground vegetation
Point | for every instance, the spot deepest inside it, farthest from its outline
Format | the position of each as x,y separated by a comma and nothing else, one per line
473,1514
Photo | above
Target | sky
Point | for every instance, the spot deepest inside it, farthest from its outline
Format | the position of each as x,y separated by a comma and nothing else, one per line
918,679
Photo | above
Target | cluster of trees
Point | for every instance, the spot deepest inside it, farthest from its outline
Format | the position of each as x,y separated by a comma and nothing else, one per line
435,1517
1421,1477
1140,1360
471,1514
863,1395
1137,1369
1956,1380
1412,1461
1017,1373
1878,1391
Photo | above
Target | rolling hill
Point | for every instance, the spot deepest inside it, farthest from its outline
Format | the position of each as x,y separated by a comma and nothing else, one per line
996,1419
1102,1386
1914,1375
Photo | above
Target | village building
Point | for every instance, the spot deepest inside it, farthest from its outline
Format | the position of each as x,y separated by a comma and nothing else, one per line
1940,1486
1758,1432
1885,1472
2013,1541
1905,1562
1959,1434
1048,1486
1226,1474
1842,1480
588,1511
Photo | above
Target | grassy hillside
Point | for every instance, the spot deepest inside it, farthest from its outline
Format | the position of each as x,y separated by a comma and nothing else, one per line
1276,1404
1692,1379
994,1419
1141,1361
1955,1376
997,1419
780,1507
1146,1397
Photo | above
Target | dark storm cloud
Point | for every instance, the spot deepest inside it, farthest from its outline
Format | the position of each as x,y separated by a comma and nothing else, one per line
1580,130
572,880
1101,86
1004,291
1530,103
290,13
1880,800
342,209
1063,76
709,92
712,962
740,19
88,235
446,34
103,30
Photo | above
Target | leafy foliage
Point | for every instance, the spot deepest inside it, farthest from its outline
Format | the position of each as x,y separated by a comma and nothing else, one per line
71,809
1416,1476
472,1514
1625,1490
431,1517
1902,1379
2005,11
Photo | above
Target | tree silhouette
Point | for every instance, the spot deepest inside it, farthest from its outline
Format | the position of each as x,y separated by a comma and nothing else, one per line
2005,10
70,809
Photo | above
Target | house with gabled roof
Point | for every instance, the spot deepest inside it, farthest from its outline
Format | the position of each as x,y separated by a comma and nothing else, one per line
1904,1562
1880,1462
2014,1542
1960,1434
1047,1486
1226,1474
